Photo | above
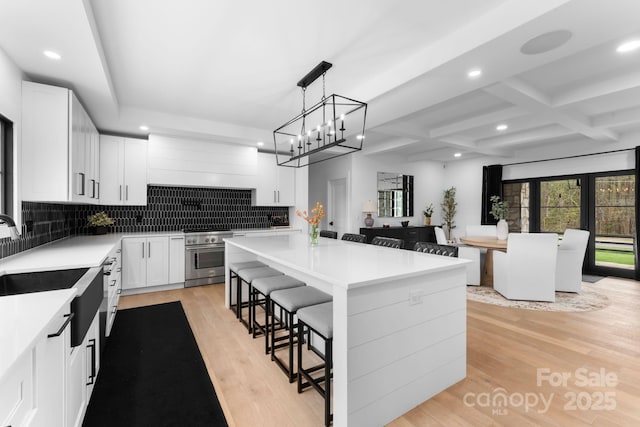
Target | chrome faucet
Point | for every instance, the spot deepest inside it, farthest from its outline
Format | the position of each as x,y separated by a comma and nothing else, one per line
13,231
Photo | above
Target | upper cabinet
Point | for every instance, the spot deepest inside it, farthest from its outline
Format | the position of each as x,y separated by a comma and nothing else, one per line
60,155
123,170
275,185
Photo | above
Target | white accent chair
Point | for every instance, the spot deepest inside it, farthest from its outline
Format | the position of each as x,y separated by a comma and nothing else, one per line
527,271
570,258
465,252
475,255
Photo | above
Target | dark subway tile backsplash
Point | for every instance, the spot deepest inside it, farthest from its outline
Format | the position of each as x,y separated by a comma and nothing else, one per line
168,209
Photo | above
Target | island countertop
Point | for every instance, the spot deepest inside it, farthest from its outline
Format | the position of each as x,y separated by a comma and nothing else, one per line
345,264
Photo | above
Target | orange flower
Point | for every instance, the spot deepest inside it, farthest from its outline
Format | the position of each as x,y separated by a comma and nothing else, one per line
317,214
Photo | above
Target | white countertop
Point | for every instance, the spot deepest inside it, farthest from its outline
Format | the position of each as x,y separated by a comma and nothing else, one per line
344,264
23,319
73,252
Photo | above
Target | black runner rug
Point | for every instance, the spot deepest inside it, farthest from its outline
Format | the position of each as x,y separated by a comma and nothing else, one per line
152,373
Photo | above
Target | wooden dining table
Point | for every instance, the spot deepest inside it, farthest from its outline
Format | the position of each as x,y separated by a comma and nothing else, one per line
490,244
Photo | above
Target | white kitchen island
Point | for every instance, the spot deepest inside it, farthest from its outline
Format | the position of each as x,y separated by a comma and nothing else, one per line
399,319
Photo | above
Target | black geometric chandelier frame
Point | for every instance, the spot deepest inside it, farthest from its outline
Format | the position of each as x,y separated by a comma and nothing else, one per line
331,128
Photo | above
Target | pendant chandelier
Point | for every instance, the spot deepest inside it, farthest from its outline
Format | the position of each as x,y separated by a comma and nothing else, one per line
331,128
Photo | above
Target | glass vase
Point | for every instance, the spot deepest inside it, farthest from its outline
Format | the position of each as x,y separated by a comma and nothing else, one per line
313,234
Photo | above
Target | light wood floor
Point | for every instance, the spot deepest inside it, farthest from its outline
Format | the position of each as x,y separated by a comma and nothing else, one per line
506,348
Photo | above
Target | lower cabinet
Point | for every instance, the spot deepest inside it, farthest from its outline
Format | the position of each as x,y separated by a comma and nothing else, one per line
51,384
145,262
82,370
152,261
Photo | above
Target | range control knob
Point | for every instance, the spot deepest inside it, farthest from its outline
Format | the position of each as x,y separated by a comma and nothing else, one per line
206,240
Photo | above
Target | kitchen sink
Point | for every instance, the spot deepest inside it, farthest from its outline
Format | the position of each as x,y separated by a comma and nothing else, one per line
87,281
23,283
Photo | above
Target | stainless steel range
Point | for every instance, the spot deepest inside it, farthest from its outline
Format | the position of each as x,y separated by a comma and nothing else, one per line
204,256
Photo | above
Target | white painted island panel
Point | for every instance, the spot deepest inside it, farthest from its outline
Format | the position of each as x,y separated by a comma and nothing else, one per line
399,319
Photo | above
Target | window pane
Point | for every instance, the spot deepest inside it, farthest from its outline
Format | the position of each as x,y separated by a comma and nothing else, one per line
615,221
559,205
517,197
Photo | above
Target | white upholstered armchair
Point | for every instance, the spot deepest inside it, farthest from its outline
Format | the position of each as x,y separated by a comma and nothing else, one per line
527,271
570,258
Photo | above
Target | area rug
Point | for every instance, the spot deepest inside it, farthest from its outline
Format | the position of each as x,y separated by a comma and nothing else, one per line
588,299
152,373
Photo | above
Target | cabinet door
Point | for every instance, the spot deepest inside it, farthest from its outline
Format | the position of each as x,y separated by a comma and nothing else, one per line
111,170
286,187
135,172
91,347
134,262
78,179
176,259
157,261
266,193
76,389
45,137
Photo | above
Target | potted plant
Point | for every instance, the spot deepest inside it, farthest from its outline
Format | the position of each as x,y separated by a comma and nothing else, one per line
99,222
499,210
428,211
448,206
317,213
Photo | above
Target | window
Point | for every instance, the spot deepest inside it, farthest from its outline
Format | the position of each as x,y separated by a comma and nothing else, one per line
602,203
6,166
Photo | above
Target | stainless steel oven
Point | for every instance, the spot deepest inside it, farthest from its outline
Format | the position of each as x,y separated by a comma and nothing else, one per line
204,256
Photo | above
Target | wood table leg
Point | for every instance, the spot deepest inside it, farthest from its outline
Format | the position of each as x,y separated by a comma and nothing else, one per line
486,278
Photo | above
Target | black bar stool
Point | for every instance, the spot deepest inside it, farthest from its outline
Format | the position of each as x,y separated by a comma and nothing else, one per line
248,275
388,242
264,286
319,320
234,267
291,300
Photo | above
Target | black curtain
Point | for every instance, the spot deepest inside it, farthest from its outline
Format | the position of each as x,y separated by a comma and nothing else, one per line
491,186
635,243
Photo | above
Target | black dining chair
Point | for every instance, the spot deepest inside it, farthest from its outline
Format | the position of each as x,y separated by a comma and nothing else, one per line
434,248
358,238
328,233
388,242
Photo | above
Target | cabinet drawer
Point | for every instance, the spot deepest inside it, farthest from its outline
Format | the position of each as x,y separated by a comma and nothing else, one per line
16,392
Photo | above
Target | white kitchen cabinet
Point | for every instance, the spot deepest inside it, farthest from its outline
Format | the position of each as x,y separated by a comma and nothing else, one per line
123,171
33,393
58,161
113,274
176,259
145,262
275,185
82,370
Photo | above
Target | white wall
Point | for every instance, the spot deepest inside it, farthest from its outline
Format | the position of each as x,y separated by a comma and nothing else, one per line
361,172
11,107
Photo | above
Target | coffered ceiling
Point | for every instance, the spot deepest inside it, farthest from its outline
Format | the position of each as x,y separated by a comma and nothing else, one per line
227,70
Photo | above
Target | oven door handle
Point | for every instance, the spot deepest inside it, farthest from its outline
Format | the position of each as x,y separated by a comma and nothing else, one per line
195,257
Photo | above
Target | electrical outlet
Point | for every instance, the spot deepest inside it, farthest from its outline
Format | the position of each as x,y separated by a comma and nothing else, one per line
415,297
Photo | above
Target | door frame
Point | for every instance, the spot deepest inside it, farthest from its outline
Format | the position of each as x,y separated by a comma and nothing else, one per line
330,210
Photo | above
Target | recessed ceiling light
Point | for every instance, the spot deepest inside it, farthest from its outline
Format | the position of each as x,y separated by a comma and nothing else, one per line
52,55
260,143
502,127
457,154
546,42
628,46
143,127
476,72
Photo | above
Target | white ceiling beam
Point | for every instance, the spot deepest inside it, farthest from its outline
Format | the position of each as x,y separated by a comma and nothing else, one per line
532,135
402,128
463,144
477,121
523,95
597,89
617,118
388,146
